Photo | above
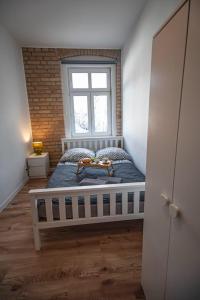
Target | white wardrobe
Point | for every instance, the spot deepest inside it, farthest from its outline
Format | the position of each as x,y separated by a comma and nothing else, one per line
171,245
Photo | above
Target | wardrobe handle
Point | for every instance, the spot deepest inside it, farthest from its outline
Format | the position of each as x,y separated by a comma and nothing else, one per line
165,199
174,210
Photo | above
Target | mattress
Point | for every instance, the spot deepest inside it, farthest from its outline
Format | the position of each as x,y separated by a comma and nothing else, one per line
65,176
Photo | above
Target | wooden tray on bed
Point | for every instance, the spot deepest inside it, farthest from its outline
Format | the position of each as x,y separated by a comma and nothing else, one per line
99,165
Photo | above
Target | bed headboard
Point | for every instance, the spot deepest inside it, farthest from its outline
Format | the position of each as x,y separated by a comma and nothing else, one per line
93,143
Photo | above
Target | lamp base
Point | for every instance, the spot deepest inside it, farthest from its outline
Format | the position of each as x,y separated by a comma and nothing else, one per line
38,152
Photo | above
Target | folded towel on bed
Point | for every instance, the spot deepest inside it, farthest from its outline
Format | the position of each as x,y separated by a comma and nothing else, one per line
91,181
110,179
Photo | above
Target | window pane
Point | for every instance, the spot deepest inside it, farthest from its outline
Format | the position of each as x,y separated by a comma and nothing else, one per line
80,80
100,113
99,80
81,114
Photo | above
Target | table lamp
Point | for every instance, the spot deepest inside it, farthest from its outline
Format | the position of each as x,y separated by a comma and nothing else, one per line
37,147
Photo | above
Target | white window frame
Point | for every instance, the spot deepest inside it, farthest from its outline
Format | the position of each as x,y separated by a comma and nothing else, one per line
72,116
69,91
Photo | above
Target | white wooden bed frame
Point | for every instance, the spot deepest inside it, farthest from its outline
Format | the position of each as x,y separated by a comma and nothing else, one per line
86,192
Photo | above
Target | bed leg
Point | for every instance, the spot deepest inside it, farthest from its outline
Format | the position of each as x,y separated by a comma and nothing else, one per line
36,235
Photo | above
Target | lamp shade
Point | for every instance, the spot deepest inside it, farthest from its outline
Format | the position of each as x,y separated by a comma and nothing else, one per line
37,147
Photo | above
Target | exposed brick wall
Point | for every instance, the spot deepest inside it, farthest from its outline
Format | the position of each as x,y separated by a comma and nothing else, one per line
43,79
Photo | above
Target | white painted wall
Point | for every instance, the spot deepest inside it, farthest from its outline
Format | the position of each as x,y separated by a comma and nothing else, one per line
15,130
136,70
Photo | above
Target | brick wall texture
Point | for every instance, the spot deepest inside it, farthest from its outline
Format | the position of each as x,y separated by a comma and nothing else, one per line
43,79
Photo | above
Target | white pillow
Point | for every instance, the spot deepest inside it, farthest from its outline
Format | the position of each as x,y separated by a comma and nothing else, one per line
75,154
113,153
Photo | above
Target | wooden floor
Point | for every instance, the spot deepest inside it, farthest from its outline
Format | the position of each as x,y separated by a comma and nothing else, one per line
86,262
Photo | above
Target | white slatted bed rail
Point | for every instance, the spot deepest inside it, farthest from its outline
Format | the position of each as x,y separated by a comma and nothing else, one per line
92,143
86,192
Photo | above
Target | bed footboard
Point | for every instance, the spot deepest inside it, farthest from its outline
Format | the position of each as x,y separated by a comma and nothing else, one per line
123,203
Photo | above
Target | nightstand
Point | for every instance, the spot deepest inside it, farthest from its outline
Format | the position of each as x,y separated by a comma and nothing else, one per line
38,165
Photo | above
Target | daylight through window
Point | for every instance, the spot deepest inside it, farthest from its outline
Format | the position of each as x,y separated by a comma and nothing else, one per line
90,101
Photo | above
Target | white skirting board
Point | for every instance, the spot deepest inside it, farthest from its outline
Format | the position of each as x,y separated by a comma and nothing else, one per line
5,203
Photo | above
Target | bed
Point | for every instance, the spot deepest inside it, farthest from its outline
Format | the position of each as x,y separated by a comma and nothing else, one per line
65,203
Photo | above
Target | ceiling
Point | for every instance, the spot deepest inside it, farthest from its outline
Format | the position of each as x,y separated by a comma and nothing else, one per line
70,23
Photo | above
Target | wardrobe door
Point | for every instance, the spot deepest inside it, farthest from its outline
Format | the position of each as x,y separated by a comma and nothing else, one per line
183,279
166,81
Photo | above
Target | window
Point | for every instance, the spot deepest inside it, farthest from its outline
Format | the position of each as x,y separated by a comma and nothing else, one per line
90,100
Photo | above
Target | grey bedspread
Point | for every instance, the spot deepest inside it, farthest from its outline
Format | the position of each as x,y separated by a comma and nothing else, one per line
65,176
